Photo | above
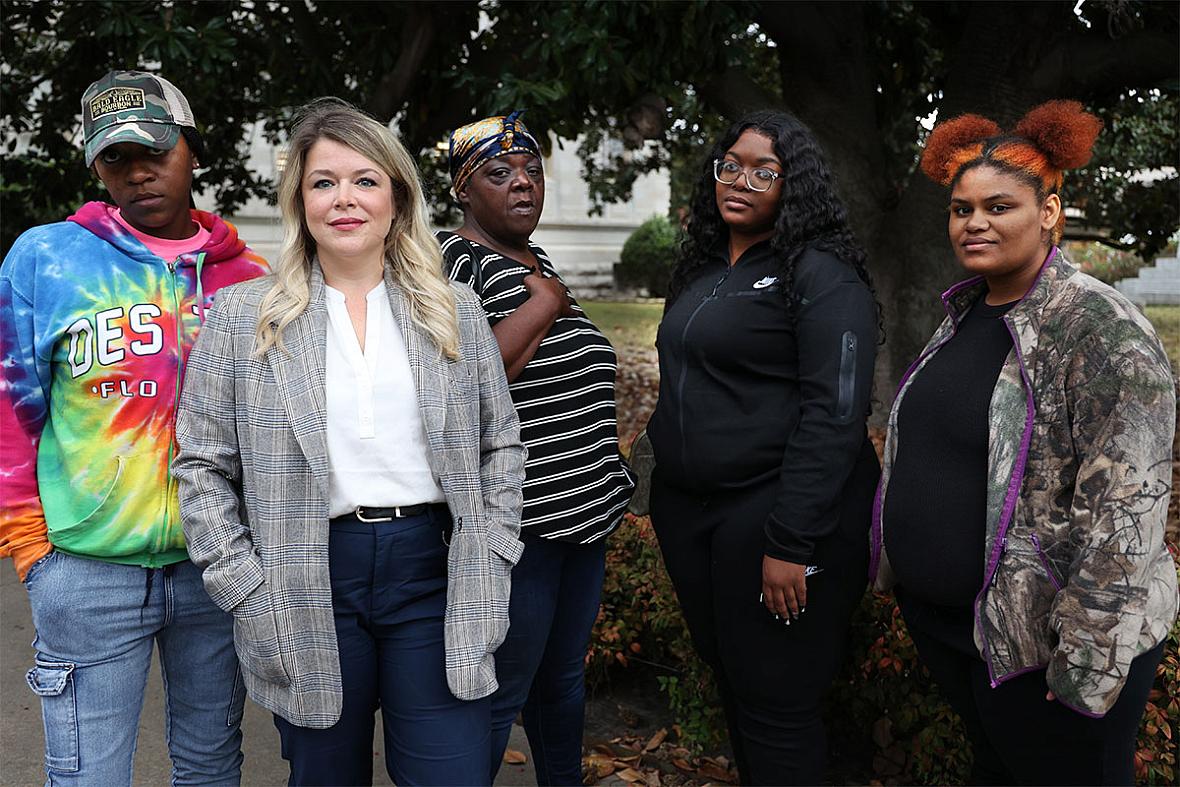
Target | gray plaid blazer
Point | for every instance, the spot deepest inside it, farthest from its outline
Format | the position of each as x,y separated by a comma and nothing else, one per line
253,475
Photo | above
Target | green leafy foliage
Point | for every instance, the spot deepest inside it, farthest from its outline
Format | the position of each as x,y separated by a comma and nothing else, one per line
1104,263
638,87
1131,186
648,256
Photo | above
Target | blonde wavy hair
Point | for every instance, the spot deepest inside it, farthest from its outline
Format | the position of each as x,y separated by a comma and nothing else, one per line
411,252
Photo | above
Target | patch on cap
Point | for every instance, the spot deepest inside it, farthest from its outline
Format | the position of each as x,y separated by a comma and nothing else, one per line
133,106
116,99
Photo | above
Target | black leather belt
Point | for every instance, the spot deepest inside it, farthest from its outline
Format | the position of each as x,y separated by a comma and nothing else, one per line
371,514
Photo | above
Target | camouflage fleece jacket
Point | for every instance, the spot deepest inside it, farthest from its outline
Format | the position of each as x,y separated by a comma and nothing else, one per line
1076,575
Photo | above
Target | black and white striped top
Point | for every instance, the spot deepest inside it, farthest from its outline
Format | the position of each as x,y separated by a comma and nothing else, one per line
577,485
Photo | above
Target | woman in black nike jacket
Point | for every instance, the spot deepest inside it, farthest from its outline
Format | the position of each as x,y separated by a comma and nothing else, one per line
764,474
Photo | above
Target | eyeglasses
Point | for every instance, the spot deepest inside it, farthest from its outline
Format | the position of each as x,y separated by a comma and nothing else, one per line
727,173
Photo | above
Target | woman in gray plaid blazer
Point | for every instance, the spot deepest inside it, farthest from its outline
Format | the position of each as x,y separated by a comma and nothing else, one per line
344,595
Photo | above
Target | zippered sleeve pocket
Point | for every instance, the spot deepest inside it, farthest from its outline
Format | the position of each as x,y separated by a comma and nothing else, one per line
846,392
1045,561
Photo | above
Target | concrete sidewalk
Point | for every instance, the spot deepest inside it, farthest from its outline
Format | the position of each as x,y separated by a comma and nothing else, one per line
22,743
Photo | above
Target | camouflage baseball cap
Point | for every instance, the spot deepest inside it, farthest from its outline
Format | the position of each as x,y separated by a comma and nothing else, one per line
133,106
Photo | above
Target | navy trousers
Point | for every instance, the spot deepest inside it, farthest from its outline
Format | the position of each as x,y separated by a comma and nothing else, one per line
541,666
389,594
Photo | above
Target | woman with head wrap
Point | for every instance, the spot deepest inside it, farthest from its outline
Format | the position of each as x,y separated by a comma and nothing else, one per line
562,374
1026,475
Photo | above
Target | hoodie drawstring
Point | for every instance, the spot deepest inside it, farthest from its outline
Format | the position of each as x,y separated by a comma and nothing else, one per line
200,289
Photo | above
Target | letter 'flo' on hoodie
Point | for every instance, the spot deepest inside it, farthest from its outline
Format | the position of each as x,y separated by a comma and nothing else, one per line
94,333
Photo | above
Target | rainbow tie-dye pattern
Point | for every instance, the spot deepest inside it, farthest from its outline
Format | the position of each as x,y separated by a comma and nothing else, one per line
94,330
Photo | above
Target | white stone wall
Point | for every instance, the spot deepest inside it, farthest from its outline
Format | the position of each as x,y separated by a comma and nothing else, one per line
583,247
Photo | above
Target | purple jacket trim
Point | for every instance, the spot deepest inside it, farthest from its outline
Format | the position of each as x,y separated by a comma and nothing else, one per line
875,535
1015,480
955,288
1086,713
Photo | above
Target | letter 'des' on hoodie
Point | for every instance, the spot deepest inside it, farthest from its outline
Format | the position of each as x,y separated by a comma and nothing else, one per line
94,332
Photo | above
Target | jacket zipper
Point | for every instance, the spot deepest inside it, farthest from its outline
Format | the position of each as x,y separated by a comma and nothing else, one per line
1036,542
684,367
847,379
169,492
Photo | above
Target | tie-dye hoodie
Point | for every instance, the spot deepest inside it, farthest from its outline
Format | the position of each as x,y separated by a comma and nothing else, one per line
94,331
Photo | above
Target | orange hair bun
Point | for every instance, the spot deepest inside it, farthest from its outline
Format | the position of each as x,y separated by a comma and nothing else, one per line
948,140
1063,131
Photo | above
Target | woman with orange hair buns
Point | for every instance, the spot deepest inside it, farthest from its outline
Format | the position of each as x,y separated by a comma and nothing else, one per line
1027,472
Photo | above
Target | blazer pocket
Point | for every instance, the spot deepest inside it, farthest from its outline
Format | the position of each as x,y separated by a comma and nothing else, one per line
256,638
503,553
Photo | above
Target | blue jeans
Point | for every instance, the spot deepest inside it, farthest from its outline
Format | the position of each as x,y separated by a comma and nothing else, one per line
96,624
556,588
389,595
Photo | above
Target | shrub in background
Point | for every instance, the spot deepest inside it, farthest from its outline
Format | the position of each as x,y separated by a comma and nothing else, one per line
648,256
1104,263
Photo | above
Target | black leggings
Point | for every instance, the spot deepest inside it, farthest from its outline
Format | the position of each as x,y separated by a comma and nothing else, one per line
772,677
1019,737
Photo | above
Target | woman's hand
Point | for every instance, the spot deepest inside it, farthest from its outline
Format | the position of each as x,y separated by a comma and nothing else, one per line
551,290
784,587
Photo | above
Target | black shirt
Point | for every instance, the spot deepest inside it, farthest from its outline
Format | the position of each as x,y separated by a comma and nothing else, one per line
577,485
935,513
750,393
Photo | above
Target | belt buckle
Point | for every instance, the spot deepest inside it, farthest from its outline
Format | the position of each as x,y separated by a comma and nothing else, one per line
361,517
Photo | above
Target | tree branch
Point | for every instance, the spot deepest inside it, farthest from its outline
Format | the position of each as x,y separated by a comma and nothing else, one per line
1092,63
417,35
733,93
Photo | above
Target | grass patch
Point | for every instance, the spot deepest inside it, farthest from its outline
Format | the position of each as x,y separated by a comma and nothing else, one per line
633,325
629,326
1166,320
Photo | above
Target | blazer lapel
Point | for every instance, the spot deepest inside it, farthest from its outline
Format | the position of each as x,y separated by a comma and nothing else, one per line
431,373
300,380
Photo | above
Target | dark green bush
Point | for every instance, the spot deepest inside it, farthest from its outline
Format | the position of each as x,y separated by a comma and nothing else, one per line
648,256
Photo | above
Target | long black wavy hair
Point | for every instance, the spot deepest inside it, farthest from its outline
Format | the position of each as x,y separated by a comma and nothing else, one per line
811,214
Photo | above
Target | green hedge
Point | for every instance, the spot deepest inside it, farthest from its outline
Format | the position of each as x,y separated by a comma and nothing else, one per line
882,695
648,257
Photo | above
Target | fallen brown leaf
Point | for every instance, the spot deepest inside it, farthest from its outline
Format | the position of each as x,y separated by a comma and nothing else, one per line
514,757
656,740
600,766
711,770
682,765
631,776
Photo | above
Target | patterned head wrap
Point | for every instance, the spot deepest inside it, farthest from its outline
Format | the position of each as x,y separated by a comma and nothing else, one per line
477,143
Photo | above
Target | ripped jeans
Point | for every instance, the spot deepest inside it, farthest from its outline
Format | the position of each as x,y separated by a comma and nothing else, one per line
96,624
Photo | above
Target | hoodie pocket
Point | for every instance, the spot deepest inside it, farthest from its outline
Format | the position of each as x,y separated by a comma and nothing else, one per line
76,517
